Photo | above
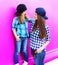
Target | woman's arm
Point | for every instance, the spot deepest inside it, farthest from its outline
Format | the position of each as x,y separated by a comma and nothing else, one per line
43,47
15,35
14,29
31,20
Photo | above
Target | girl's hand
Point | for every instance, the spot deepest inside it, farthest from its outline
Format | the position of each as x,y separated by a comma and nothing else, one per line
17,38
27,18
39,50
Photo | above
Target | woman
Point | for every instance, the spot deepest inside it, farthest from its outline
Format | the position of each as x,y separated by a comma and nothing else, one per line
20,31
39,36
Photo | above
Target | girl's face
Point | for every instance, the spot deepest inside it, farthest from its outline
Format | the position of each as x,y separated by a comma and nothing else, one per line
23,14
35,15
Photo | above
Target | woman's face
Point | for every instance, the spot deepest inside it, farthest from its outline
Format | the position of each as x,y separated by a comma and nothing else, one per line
23,14
35,16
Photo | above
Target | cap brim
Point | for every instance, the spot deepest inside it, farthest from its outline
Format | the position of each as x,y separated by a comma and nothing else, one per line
45,17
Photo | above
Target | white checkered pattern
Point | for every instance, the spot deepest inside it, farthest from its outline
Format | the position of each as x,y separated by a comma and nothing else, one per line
35,41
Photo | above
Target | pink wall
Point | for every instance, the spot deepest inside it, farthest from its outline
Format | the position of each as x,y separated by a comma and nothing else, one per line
7,9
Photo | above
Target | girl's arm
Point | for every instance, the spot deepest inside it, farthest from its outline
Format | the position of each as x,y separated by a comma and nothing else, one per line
15,35
14,29
31,20
43,47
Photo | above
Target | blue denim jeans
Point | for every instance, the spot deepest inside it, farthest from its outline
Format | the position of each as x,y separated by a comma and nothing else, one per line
21,45
39,59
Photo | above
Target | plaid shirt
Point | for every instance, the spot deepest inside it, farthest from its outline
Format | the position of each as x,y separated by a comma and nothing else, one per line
35,41
21,29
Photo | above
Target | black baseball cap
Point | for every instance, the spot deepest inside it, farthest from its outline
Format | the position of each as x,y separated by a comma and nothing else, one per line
20,9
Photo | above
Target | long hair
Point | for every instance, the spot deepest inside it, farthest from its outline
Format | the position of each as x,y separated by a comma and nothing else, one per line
40,23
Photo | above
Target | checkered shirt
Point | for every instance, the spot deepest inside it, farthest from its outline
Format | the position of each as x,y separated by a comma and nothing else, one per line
35,41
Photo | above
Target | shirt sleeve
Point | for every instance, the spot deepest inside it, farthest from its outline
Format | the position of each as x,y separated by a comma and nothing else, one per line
14,24
47,33
32,20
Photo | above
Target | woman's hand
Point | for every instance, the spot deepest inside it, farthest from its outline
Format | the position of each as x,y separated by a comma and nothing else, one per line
39,50
17,38
43,47
27,18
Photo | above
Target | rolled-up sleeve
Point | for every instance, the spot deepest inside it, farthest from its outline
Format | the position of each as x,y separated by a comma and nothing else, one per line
32,20
14,24
47,33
